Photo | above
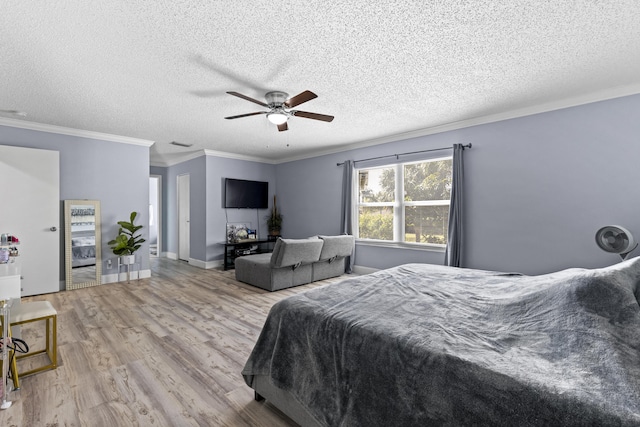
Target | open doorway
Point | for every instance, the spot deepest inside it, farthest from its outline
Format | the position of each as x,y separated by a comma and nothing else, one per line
155,222
184,227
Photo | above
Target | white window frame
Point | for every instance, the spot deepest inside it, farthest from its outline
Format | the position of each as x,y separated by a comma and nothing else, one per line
398,205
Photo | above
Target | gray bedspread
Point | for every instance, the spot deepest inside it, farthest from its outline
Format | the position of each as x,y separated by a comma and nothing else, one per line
427,345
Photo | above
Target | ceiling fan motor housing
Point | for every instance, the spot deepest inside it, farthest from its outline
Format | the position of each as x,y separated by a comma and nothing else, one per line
276,98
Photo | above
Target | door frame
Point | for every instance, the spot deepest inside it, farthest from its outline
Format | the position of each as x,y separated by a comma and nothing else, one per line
159,212
184,202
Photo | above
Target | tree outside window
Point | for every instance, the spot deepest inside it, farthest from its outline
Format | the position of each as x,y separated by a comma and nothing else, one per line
420,216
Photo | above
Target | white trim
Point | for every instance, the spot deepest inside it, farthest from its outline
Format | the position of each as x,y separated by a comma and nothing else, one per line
122,277
205,264
239,157
222,154
41,127
159,207
430,247
181,159
170,255
361,270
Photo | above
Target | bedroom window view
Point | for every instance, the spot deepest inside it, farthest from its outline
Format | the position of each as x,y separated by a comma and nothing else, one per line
420,215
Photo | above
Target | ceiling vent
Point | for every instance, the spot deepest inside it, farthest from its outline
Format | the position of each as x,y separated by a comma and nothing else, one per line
14,113
180,144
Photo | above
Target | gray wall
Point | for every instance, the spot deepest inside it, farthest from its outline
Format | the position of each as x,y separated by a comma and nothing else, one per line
217,216
116,174
538,188
208,215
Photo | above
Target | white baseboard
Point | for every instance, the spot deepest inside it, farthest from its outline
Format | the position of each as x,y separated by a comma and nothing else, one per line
170,255
205,264
122,277
361,270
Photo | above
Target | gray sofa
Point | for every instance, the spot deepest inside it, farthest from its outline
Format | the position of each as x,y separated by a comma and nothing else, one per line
295,262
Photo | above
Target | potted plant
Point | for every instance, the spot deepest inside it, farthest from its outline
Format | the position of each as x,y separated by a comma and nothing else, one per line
127,242
274,220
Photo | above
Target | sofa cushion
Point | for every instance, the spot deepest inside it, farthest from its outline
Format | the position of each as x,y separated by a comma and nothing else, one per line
336,246
291,252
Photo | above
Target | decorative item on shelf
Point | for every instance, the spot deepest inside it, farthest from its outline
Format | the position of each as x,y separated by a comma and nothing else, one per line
8,248
241,234
127,242
251,234
4,256
274,220
8,239
237,231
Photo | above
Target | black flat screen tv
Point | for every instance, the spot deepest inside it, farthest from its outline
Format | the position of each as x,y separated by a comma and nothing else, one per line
242,194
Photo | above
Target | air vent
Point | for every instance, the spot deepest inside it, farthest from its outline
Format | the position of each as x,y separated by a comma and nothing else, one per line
180,144
14,113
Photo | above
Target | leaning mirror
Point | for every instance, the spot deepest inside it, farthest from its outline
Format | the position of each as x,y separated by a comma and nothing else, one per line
83,260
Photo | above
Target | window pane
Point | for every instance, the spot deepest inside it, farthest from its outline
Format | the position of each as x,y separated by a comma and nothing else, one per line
377,185
427,181
426,224
375,223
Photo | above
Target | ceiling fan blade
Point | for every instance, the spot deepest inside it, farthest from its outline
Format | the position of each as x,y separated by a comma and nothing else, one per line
239,95
314,116
305,96
283,127
246,115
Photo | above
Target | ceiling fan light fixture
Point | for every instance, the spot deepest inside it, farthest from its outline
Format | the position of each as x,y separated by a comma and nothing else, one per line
277,118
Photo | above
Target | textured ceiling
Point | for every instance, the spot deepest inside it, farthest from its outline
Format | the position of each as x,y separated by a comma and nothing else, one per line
159,70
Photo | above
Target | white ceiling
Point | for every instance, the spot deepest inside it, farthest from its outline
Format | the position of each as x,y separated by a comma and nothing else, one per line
159,70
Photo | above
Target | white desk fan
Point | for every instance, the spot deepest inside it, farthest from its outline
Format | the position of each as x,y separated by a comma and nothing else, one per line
616,239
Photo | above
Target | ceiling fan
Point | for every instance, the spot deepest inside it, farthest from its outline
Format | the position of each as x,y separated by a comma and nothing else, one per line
280,105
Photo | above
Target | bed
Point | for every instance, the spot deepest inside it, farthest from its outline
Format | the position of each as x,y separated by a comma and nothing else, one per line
83,248
428,345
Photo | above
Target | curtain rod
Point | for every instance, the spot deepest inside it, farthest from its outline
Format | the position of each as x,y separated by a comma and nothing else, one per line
405,154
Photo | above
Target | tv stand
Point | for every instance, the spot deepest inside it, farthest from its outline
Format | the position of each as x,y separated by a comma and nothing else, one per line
244,247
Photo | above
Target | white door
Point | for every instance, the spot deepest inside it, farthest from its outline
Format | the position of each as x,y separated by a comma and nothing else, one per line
30,198
184,228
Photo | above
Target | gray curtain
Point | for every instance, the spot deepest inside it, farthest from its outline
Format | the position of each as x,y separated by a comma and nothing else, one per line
346,221
453,253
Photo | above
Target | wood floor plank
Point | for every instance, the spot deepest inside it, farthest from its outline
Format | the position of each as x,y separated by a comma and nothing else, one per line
161,351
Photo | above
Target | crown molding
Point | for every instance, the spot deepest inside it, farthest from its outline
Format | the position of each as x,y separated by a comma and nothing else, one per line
177,159
204,152
239,157
617,92
42,127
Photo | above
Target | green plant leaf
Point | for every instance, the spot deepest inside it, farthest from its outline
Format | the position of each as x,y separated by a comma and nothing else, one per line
126,242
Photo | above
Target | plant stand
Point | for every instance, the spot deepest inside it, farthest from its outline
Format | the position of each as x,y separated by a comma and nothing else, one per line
128,261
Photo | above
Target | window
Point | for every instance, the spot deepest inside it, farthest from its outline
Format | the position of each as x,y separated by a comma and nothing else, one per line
405,202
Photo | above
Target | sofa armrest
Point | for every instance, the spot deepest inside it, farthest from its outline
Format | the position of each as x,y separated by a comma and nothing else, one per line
336,246
292,252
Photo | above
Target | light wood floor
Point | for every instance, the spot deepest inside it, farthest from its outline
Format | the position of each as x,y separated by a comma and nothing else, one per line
163,351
